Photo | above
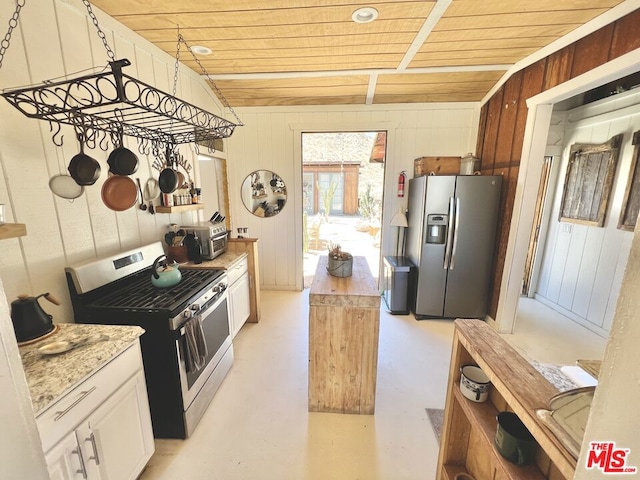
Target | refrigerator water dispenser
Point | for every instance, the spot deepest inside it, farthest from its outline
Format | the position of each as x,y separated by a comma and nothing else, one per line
436,228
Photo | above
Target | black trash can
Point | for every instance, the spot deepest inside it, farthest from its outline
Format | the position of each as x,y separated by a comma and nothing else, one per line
396,278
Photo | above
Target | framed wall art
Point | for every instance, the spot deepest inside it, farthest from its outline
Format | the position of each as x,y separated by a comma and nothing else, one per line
588,182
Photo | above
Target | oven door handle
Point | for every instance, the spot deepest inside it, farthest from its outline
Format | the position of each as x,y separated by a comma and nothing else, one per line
202,312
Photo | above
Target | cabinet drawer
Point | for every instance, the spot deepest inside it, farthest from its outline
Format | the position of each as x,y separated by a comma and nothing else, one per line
66,413
236,270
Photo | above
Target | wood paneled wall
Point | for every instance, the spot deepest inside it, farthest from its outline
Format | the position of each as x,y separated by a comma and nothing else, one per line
503,117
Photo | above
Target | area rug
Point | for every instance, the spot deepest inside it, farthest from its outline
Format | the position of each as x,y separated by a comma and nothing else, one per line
436,417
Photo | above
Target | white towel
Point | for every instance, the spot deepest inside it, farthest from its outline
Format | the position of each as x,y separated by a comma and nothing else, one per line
579,376
196,344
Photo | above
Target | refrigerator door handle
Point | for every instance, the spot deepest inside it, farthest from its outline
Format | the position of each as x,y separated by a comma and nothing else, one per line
455,235
447,249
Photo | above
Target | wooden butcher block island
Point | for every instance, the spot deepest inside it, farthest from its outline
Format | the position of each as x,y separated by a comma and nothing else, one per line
344,321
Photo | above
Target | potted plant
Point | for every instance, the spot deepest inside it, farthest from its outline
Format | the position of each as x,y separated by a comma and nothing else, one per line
340,263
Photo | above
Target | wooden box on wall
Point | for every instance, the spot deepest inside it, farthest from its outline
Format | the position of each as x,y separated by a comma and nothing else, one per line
436,165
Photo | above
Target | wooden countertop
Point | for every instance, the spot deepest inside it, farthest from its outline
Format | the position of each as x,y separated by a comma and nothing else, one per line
357,290
51,376
523,388
223,262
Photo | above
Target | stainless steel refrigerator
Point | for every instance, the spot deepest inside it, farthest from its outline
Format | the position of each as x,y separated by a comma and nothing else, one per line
451,239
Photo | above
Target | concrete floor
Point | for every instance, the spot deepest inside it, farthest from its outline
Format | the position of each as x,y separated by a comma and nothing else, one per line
258,426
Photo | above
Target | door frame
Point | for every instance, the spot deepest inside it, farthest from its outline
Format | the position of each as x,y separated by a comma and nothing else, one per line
533,151
538,230
389,189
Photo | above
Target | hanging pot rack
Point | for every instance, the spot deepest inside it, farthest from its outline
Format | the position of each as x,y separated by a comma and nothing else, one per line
104,106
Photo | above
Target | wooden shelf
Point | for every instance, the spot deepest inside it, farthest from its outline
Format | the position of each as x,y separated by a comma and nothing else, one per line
12,230
450,471
469,427
482,417
180,208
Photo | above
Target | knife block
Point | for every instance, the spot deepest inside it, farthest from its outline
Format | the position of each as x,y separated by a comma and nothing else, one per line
178,254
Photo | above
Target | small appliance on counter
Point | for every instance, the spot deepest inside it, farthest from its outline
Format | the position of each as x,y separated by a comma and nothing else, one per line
194,248
30,321
212,237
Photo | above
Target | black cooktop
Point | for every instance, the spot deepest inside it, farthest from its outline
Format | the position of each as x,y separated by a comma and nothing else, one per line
138,292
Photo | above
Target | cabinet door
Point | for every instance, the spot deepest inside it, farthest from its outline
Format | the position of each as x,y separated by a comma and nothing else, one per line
117,439
63,460
240,304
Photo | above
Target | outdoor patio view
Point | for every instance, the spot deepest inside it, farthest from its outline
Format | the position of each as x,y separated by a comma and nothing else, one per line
343,176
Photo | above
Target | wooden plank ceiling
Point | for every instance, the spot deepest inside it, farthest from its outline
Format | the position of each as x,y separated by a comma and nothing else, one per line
310,52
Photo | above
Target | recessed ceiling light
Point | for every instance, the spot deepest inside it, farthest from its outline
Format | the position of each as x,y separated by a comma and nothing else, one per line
365,15
201,50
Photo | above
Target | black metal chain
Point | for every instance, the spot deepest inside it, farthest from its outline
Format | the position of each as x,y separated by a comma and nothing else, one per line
13,23
210,80
175,79
101,34
175,71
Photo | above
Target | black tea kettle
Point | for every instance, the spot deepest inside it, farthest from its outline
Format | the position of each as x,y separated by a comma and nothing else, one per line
30,321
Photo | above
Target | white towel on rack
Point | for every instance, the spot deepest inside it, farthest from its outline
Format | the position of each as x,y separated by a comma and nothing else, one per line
196,344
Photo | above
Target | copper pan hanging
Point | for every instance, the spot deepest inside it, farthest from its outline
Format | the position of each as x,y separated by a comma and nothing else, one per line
119,193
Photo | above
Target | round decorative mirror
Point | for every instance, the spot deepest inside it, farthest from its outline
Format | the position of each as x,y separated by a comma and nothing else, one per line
264,193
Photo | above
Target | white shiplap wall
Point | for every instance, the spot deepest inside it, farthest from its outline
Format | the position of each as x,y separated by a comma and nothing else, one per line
582,266
56,38
270,140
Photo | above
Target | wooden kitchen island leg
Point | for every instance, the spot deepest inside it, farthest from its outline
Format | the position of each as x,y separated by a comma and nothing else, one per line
344,322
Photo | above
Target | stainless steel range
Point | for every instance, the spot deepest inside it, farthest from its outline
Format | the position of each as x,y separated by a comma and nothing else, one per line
186,348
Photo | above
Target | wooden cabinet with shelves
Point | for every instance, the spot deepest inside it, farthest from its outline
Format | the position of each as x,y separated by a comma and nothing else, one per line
469,428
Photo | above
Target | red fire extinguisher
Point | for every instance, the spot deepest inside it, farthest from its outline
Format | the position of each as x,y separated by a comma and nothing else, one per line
401,179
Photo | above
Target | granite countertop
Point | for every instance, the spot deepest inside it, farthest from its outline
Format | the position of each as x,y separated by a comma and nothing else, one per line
223,262
50,376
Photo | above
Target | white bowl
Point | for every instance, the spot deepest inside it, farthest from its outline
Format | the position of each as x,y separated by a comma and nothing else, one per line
474,383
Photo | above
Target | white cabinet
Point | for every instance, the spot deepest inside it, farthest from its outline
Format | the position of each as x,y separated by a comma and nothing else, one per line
63,460
239,296
102,428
